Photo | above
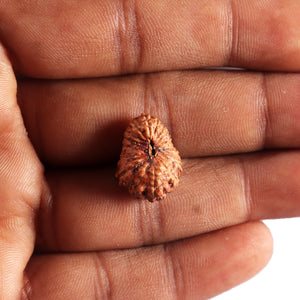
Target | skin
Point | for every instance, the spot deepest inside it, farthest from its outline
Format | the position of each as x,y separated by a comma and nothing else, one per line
66,230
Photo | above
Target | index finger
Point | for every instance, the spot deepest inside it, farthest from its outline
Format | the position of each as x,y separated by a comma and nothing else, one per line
71,39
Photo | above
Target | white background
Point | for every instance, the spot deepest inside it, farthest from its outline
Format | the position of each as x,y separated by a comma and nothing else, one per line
280,280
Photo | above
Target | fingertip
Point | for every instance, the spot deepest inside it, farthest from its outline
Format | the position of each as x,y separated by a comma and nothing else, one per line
267,37
235,255
258,245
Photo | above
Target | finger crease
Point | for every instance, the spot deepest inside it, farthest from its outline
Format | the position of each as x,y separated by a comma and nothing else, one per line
139,48
149,222
121,28
265,120
174,272
232,32
144,222
246,190
129,38
102,286
149,96
169,113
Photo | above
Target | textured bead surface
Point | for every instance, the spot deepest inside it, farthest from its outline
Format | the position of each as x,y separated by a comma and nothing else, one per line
149,165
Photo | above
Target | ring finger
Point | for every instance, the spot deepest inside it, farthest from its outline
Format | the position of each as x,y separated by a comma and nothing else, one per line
86,211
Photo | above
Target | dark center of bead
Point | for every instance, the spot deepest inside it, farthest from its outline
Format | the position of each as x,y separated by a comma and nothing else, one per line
152,148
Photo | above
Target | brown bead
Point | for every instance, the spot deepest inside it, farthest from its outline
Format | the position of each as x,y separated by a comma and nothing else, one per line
149,165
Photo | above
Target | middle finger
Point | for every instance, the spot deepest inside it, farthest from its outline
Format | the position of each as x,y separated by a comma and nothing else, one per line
81,122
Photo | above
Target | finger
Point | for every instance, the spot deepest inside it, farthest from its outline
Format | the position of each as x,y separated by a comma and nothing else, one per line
101,38
208,113
88,211
197,268
19,187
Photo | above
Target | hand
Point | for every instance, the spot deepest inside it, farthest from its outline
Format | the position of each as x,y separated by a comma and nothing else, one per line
66,230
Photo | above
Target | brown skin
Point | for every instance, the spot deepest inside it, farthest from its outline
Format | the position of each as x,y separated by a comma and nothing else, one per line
75,123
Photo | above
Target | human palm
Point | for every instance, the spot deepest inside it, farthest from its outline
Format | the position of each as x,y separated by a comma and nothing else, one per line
66,230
